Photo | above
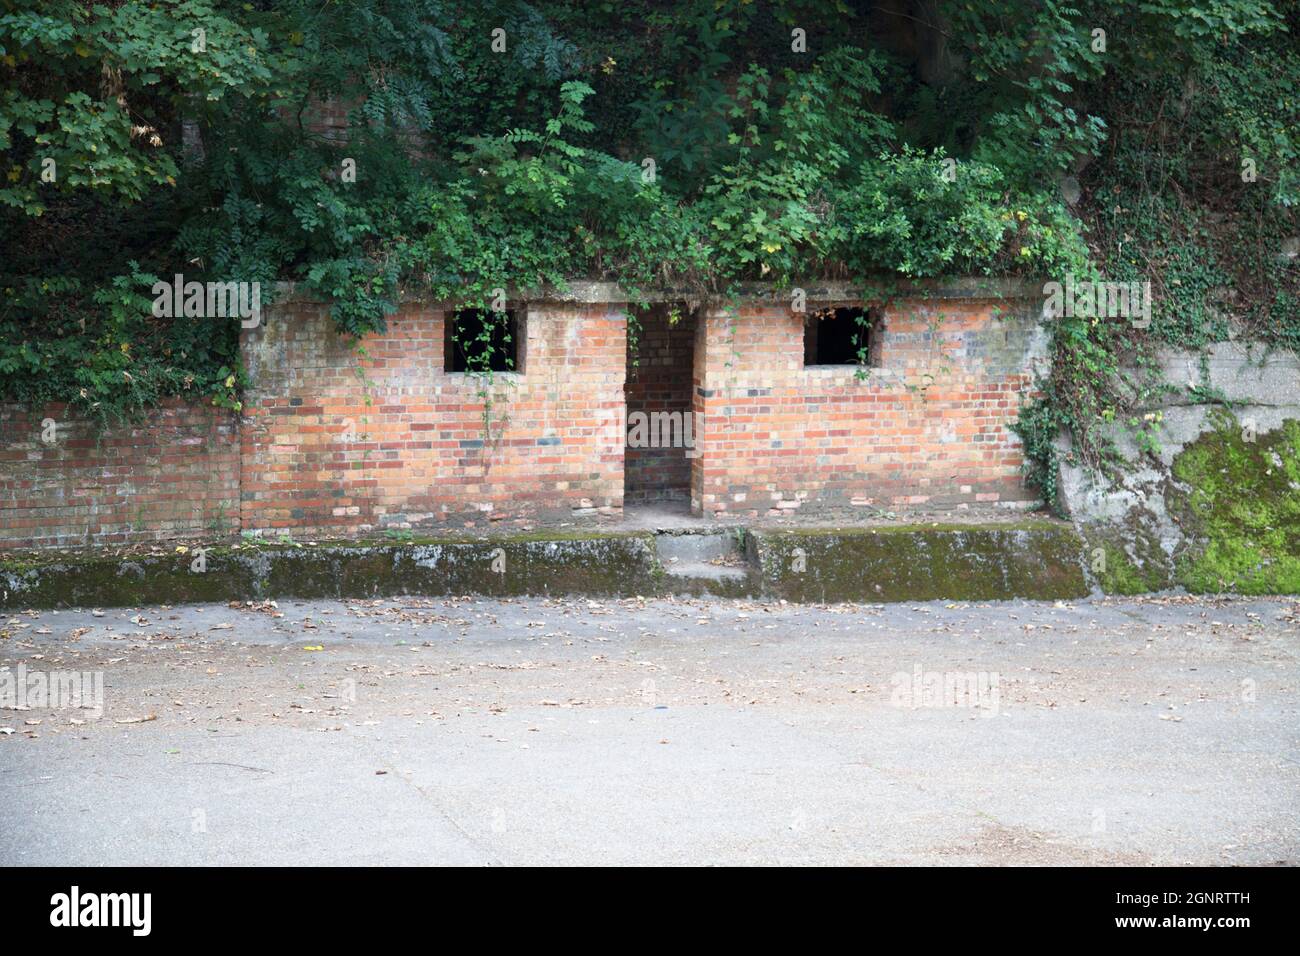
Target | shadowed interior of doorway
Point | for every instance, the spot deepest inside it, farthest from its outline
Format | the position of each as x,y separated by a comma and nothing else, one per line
660,377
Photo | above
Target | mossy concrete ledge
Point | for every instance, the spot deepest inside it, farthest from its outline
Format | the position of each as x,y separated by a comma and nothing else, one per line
1033,559
598,565
903,563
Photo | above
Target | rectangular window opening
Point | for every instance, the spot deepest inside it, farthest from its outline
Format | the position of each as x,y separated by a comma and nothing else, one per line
481,340
847,336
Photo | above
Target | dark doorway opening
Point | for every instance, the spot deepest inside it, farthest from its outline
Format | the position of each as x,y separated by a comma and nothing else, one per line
660,432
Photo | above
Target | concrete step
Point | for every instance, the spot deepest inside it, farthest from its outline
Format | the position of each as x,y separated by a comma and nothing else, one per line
702,569
705,562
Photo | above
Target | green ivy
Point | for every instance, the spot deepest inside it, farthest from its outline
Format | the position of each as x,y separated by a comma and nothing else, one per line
889,148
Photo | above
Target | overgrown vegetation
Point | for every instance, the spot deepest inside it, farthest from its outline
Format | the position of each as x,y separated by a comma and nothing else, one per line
691,142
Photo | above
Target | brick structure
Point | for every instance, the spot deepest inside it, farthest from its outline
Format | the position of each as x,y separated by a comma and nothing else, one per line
338,442
335,442
927,426
173,474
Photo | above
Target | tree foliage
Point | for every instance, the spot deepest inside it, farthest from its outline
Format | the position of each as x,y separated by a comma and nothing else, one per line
693,142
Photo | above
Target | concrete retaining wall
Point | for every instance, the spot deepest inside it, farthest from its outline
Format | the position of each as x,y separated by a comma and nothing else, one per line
1216,505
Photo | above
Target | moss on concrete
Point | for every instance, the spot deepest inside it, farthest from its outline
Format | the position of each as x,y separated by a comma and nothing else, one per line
1035,559
85,580
1120,574
529,564
1126,558
1026,559
1240,503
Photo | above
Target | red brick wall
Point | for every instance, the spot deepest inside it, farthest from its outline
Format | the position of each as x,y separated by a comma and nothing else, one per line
660,381
174,474
337,443
929,427
333,442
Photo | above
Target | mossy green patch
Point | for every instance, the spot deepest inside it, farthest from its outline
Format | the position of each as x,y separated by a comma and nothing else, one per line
1035,560
1239,501
1127,558
1119,574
